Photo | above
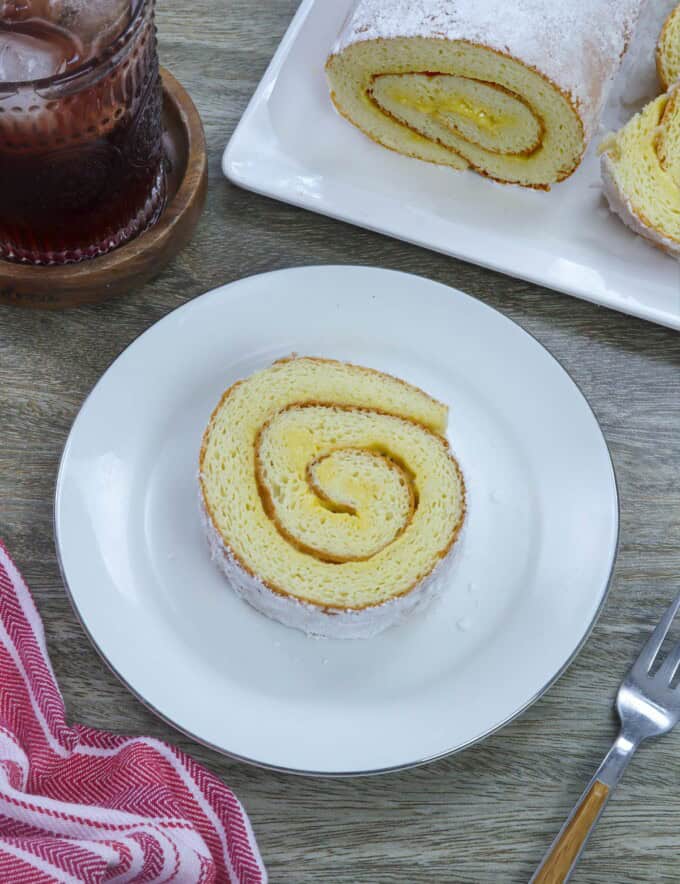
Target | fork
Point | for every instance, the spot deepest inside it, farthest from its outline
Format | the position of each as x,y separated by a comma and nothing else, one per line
648,706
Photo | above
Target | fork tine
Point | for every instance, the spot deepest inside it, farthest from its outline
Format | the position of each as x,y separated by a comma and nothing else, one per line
670,665
655,640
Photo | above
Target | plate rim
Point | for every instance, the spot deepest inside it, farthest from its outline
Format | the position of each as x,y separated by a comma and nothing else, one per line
323,774
617,302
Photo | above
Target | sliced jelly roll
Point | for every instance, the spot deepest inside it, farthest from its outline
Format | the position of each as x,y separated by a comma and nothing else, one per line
512,89
331,499
641,172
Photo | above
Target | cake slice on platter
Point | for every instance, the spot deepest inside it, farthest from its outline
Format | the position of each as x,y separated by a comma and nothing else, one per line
641,172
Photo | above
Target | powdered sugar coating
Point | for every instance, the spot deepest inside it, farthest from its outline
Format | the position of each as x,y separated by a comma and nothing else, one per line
576,44
312,619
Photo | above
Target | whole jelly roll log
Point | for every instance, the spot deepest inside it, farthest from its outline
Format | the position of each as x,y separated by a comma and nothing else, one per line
513,90
331,499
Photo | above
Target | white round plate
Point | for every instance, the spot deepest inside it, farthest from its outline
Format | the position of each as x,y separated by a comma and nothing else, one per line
533,571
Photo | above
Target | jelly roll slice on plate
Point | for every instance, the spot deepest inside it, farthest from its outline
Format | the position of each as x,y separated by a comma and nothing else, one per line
513,90
331,499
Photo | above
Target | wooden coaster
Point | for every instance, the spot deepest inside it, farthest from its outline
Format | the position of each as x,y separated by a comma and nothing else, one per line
133,264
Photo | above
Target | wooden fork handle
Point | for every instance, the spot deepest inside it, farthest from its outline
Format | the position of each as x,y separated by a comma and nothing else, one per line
561,858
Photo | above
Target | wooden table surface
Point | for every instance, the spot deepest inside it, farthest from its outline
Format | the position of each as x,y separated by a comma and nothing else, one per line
485,815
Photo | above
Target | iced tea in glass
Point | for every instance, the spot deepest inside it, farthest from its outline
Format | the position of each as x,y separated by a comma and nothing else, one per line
81,154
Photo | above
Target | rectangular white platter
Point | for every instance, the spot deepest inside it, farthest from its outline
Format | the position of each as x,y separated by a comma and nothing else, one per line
293,146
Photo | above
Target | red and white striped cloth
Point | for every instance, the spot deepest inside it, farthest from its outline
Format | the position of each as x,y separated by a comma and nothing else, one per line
81,805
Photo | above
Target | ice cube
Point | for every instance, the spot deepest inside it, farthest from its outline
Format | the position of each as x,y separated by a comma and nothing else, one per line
23,57
96,22
22,10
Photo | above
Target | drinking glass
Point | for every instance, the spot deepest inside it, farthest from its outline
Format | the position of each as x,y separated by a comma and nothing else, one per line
81,155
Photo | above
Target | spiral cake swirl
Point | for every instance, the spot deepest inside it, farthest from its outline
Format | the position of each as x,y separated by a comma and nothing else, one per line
511,90
331,498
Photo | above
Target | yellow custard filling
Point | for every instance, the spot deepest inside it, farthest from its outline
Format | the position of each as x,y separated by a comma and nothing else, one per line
455,104
479,112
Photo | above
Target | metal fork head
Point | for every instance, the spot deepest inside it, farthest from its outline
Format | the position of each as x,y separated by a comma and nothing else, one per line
647,704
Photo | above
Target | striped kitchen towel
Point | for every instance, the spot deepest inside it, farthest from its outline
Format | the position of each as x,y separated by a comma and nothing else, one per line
81,805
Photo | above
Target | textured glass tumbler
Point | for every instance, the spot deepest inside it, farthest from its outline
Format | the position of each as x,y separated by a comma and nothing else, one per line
81,156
